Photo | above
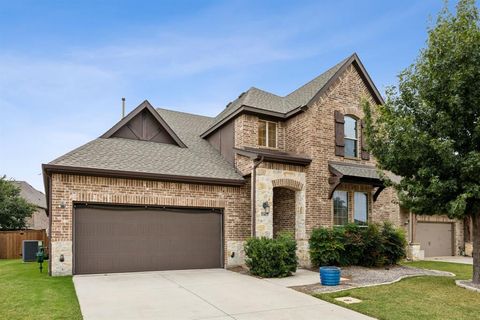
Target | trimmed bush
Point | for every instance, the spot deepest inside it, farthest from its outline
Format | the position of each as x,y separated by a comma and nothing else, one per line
394,244
353,242
372,253
370,246
271,258
326,246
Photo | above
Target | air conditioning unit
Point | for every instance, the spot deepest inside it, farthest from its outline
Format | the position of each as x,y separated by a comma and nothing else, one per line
29,250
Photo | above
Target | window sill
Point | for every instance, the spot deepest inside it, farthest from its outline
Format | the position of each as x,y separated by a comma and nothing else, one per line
352,158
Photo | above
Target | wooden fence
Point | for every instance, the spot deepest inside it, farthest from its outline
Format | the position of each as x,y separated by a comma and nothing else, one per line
11,242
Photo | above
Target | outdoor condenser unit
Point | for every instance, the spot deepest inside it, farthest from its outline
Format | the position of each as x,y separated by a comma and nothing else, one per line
29,250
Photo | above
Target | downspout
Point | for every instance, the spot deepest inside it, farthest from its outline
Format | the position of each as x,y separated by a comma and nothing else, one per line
253,197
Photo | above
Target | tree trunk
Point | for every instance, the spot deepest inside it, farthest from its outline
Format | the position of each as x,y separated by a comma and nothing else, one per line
476,247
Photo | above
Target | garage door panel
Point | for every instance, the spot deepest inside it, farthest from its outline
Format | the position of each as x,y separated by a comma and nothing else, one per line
123,240
435,238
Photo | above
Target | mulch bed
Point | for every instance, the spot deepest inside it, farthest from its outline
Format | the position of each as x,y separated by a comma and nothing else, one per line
357,277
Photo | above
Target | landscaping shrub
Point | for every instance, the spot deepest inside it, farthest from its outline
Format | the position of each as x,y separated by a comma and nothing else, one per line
394,244
369,246
353,244
326,246
372,254
271,258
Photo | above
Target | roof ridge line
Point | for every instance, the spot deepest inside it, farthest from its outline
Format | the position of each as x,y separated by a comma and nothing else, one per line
184,112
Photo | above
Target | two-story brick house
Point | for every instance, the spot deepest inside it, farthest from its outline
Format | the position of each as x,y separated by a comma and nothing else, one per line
168,190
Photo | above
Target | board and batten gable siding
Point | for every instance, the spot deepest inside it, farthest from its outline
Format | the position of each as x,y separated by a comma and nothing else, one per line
224,140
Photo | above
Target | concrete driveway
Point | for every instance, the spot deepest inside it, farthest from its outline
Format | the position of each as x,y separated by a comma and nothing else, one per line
197,294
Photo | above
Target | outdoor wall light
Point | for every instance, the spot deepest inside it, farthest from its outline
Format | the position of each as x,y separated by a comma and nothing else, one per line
266,208
62,258
63,205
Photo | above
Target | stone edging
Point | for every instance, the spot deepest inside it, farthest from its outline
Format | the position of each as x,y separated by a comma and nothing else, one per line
451,274
466,286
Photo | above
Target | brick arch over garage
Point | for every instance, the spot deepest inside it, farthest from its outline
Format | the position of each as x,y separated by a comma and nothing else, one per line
288,183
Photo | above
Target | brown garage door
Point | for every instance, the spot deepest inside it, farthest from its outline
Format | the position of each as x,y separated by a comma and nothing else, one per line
435,238
121,239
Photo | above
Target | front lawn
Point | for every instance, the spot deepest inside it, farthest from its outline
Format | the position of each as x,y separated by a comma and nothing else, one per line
25,293
417,298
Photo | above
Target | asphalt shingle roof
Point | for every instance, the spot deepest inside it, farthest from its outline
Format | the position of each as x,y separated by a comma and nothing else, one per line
31,194
199,159
264,100
363,172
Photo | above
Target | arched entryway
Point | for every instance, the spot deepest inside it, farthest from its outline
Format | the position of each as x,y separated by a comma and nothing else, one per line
283,210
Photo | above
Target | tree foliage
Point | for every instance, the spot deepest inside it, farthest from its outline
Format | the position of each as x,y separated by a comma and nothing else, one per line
428,131
13,208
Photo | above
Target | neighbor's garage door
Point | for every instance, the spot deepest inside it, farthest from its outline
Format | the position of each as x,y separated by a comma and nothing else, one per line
435,238
120,239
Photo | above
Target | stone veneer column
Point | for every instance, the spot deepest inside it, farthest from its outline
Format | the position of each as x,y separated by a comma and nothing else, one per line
264,192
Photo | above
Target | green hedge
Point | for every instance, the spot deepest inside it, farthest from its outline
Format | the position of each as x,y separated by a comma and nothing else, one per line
271,258
370,246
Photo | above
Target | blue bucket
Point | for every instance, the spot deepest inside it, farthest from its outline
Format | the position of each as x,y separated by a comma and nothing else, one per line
329,276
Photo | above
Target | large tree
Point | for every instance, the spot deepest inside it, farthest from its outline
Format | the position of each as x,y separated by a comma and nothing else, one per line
428,130
13,208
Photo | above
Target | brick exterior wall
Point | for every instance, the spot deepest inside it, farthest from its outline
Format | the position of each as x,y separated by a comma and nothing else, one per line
283,210
67,189
310,133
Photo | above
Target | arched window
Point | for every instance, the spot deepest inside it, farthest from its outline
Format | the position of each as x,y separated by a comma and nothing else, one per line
351,137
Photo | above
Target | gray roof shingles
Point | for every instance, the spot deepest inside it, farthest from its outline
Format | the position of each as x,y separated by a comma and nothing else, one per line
199,159
31,195
260,99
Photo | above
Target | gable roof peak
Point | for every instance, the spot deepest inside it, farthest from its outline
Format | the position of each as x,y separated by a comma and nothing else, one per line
149,127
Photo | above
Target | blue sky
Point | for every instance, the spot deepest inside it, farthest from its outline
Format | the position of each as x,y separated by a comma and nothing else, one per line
64,65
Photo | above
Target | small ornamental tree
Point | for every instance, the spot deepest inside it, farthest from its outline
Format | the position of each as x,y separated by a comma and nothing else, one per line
13,208
428,130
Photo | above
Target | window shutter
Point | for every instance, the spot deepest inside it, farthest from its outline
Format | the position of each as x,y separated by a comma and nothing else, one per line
339,134
363,141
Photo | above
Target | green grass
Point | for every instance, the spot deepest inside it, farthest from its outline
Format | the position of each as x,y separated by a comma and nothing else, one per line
25,293
417,298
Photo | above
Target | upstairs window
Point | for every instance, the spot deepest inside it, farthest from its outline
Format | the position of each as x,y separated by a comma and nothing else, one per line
267,134
351,137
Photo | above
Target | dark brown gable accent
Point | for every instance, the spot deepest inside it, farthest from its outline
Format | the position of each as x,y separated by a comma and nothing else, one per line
339,134
363,142
144,123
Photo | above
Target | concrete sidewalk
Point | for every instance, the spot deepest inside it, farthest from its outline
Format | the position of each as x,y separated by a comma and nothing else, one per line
198,294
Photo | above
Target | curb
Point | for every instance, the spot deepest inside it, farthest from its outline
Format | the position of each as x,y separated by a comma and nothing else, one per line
466,286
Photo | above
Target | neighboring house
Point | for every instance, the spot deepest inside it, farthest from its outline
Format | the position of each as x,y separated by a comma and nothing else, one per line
39,219
169,190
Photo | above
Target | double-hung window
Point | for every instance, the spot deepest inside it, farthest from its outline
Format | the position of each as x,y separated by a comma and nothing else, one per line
351,137
267,134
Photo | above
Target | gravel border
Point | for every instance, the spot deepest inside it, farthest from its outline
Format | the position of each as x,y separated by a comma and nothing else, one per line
468,284
359,277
